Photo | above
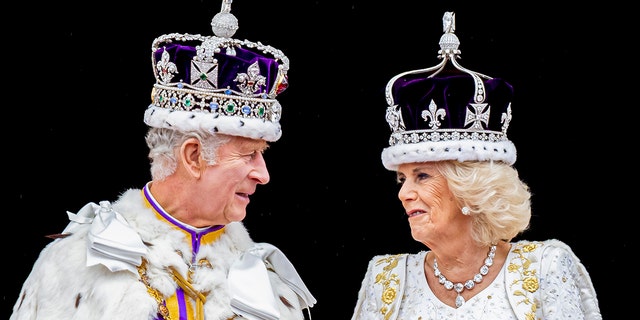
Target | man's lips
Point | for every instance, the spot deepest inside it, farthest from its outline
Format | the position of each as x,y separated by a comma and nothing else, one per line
414,213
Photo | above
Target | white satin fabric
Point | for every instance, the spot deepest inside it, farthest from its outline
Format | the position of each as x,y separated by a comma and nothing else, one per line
251,293
112,242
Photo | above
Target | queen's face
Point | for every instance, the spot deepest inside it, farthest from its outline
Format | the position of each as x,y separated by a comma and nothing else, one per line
431,207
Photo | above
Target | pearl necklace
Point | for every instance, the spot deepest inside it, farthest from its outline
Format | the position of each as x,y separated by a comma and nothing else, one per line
469,284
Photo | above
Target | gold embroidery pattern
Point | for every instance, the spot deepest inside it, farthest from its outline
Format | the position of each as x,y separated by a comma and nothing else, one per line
390,283
528,276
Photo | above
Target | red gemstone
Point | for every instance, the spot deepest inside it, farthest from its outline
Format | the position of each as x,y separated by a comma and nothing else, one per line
283,84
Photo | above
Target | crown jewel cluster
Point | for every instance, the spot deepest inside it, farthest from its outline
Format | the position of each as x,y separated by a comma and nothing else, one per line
476,114
254,100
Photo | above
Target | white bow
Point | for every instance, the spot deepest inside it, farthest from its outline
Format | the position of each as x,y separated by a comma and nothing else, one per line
251,293
112,241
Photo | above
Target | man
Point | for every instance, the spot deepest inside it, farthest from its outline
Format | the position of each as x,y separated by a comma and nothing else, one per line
177,249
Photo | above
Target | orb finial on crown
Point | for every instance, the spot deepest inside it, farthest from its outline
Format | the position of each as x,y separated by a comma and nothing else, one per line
224,24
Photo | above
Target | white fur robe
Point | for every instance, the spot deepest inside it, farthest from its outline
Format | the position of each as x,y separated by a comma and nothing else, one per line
61,286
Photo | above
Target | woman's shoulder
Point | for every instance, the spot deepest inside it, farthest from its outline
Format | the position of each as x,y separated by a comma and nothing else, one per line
544,253
551,270
541,248
390,261
402,255
552,255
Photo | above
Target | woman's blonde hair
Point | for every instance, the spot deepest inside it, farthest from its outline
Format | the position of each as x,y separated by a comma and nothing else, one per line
499,201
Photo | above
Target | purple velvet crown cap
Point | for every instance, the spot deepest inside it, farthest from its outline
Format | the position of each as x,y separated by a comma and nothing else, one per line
217,83
448,112
182,55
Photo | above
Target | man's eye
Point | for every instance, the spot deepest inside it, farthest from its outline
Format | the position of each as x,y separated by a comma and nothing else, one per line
253,154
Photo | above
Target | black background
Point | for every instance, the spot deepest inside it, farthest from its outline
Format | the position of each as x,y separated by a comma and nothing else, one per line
80,79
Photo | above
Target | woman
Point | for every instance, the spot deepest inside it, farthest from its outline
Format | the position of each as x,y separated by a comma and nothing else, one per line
465,202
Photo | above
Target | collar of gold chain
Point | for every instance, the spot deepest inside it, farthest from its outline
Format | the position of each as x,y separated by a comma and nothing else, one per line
194,294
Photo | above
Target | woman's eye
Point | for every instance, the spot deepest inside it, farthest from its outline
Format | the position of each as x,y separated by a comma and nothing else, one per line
422,176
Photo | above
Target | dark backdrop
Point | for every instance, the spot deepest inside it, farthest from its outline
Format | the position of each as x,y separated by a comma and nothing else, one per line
81,78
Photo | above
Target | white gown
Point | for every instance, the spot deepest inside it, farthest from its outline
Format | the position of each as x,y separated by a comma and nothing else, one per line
539,280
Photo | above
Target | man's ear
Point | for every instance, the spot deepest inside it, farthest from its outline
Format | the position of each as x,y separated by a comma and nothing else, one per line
190,157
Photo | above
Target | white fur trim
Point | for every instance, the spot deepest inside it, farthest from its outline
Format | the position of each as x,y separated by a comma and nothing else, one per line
193,120
461,150
60,286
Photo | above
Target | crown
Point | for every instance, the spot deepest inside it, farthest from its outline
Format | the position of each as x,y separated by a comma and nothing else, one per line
447,112
217,83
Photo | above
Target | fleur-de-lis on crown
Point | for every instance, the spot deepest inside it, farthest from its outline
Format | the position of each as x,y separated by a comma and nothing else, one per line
506,119
251,81
166,68
433,113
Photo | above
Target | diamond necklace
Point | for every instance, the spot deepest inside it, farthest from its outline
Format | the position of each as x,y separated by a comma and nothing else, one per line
469,284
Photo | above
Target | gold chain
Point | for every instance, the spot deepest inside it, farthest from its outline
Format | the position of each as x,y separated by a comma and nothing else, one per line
162,307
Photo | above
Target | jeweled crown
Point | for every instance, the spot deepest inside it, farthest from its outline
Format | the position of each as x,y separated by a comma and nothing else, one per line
217,83
447,112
